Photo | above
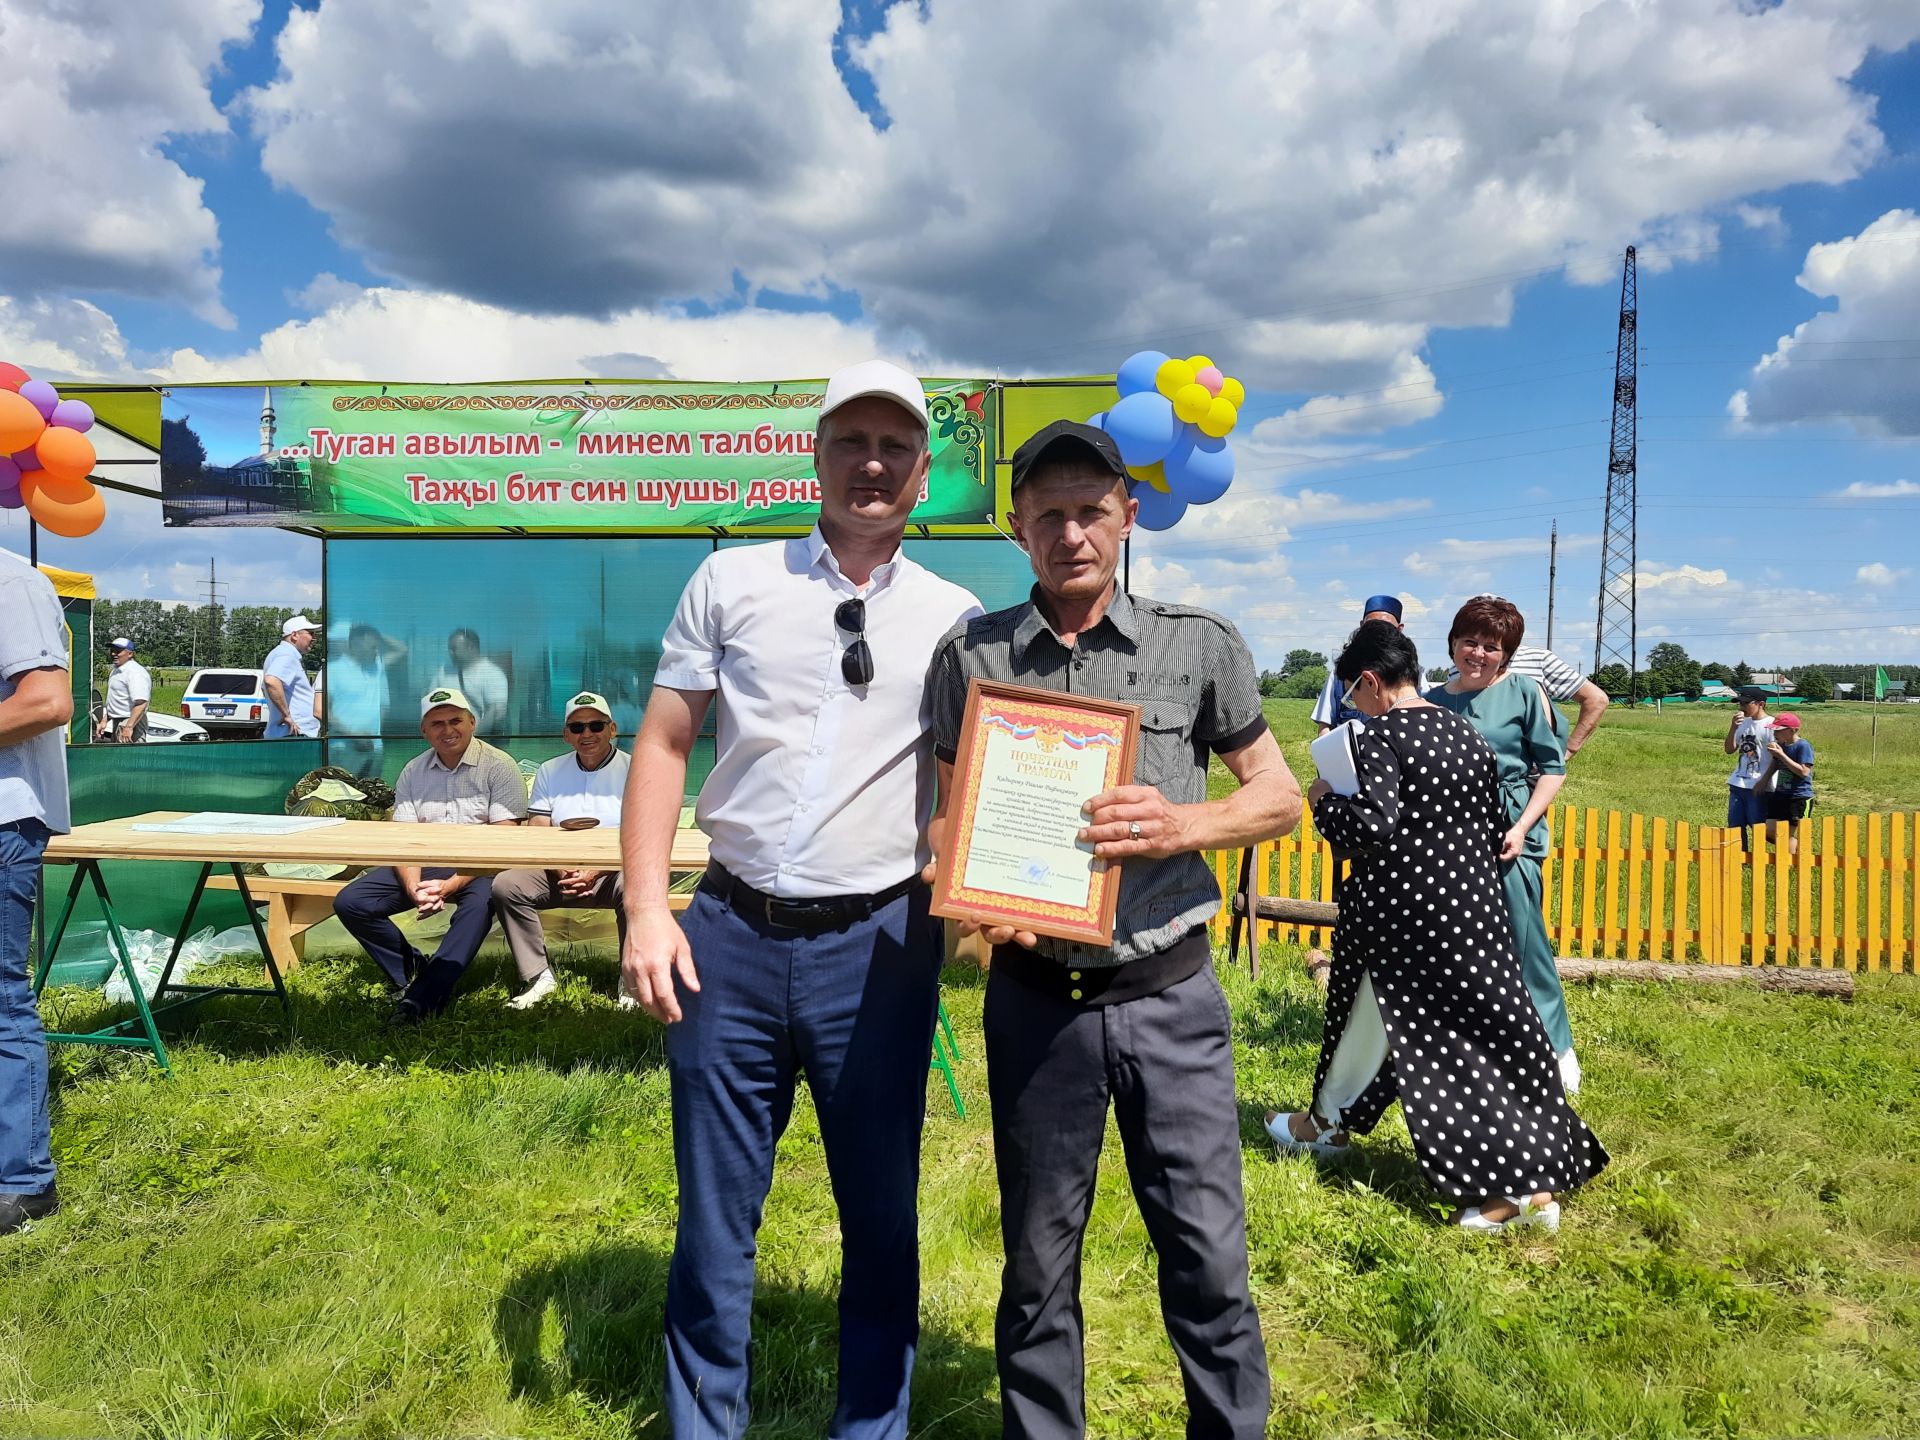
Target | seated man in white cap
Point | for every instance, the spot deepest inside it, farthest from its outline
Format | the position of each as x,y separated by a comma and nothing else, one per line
576,791
461,780
284,677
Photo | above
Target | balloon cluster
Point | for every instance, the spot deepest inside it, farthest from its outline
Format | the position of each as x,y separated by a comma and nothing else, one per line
1171,423
45,456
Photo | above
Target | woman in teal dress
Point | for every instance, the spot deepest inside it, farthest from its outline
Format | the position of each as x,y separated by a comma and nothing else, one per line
1512,714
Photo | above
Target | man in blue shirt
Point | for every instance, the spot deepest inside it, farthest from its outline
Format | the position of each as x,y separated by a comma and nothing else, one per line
1332,709
36,702
289,690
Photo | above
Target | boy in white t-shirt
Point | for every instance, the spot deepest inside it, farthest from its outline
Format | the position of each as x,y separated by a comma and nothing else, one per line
1749,736
580,790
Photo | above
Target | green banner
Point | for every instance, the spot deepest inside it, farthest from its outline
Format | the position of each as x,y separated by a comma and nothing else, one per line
665,456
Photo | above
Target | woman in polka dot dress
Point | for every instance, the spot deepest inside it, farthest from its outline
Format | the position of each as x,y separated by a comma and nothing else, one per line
1425,1002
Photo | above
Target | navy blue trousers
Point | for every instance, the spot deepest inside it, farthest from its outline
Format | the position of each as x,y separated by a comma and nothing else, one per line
853,1010
26,1153
366,906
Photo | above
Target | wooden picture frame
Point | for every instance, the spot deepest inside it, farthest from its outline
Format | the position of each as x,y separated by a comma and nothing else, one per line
1026,762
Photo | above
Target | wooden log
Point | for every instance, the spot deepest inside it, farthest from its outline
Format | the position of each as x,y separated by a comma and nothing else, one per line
1836,983
1286,909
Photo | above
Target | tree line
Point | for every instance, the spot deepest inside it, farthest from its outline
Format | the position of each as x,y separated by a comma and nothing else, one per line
195,635
1669,671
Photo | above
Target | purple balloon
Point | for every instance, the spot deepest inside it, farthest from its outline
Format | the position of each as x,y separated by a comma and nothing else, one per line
72,415
28,459
9,474
42,396
11,498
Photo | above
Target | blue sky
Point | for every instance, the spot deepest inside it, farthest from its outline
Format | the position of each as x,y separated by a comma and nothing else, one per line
1403,231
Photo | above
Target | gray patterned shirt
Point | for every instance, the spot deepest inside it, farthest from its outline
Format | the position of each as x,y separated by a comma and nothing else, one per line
1192,677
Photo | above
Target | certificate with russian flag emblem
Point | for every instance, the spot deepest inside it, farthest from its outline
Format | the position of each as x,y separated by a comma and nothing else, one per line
1028,759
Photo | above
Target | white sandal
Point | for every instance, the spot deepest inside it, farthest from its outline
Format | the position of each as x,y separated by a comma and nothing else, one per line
1545,1217
1280,1131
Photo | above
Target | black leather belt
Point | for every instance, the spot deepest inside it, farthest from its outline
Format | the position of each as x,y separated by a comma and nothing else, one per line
814,915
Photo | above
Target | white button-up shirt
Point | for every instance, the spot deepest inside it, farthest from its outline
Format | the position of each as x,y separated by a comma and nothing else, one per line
126,687
818,788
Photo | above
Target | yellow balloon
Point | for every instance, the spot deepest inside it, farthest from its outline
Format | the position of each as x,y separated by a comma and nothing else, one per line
1198,362
1233,392
1170,379
1220,418
1191,402
1154,475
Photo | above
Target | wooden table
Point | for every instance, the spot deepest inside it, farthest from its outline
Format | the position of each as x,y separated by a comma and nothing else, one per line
468,849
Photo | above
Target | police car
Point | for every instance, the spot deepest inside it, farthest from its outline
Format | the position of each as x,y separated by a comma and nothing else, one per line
227,701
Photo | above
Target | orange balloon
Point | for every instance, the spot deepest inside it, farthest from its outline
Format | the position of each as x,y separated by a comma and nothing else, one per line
66,453
72,520
20,423
61,488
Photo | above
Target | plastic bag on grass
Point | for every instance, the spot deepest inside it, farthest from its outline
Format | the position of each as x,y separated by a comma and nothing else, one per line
147,949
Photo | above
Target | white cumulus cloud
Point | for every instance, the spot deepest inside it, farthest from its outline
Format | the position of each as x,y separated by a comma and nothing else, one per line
568,156
1879,573
1849,365
1878,490
93,91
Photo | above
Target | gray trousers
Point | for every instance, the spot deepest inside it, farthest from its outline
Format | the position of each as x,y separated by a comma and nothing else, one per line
520,895
1165,1063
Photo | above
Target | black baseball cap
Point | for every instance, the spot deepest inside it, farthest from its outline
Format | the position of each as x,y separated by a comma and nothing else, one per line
1063,439
1752,692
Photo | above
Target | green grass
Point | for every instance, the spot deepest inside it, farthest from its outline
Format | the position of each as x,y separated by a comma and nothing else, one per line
1670,762
464,1231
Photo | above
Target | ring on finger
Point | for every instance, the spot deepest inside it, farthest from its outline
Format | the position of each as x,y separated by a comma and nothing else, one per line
1133,830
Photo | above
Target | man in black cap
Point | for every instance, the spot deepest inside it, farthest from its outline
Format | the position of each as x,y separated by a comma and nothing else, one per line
1141,1025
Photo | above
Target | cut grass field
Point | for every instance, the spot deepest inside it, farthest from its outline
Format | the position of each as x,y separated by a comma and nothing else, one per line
330,1229
1670,762
341,1231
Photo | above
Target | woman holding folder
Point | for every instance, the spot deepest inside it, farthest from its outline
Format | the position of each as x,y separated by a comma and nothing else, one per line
1426,1004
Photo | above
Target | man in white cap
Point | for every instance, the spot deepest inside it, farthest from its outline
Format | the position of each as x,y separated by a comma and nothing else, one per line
129,692
814,949
460,780
284,677
580,790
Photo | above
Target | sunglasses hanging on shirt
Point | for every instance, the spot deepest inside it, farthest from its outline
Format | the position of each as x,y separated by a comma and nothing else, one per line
856,661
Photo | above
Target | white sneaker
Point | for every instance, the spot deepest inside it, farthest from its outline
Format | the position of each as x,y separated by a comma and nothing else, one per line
1545,1217
544,984
1570,1072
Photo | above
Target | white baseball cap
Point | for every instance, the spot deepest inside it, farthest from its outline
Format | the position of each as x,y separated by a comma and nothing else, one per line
443,695
295,624
587,700
875,377
120,644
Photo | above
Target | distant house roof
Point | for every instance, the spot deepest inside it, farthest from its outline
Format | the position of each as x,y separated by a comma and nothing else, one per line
1715,687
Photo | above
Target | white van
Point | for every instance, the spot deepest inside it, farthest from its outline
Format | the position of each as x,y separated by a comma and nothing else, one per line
228,702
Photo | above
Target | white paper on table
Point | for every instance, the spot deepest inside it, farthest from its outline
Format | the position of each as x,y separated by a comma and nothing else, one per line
1334,758
222,822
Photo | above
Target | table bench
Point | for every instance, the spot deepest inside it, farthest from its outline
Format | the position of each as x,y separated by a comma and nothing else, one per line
468,849
294,906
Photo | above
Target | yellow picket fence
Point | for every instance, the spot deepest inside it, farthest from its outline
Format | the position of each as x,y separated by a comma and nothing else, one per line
1634,887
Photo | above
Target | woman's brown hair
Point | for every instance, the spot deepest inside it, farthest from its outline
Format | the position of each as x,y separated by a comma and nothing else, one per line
1490,616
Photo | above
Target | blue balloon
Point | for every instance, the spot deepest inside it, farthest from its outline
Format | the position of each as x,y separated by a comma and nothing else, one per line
1143,426
1137,372
1158,511
1098,422
1199,468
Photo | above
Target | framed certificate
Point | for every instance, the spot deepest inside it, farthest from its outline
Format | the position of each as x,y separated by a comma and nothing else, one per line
1027,761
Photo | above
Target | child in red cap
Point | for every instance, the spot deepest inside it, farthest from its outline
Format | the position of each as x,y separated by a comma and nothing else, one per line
1792,796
